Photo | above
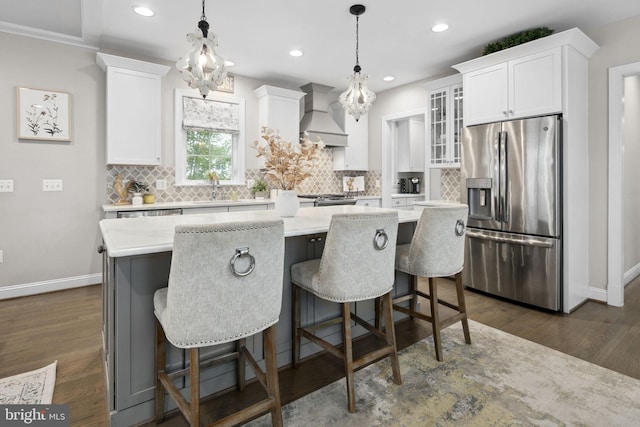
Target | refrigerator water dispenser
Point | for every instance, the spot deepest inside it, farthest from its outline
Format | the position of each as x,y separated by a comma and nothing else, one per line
479,197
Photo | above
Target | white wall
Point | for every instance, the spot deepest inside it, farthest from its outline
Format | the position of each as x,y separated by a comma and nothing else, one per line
617,43
54,235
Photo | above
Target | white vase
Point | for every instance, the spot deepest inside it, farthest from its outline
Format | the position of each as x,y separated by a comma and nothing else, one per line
287,203
136,200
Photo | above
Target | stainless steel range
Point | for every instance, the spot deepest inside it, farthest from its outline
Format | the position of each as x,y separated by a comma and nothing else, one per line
329,199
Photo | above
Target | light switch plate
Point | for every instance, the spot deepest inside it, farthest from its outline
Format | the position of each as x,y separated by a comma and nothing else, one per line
6,186
161,184
250,183
51,185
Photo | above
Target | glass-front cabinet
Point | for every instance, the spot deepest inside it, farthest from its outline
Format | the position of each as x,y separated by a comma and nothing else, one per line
444,122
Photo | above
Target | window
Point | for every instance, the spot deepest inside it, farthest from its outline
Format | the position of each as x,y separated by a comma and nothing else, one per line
209,137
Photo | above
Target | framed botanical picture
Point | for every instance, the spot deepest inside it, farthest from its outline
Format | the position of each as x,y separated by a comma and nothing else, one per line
43,114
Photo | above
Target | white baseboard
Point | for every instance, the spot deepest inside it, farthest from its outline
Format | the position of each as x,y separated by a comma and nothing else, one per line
597,294
34,288
631,274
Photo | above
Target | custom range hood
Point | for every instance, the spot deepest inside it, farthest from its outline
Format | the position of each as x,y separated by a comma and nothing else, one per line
317,120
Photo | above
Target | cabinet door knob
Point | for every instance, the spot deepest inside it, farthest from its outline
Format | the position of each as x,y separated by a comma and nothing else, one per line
510,111
505,113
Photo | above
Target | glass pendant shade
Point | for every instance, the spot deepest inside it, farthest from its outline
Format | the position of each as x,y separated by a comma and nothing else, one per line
357,99
202,68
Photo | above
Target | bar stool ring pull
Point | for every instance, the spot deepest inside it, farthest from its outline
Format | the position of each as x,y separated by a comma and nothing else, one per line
241,253
380,233
459,227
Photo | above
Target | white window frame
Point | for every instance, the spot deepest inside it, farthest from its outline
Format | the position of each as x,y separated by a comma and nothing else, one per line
238,144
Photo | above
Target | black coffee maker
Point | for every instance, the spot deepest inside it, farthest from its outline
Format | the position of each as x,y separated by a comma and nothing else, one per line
414,185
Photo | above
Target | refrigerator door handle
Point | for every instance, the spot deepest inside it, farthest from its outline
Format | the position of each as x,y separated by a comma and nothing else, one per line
504,182
496,179
524,241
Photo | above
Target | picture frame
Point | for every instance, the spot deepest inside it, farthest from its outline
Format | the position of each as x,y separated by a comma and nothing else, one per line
43,114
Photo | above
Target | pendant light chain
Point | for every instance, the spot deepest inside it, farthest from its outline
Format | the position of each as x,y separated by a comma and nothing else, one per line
357,40
203,17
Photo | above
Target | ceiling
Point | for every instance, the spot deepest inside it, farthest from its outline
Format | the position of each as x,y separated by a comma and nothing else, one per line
395,36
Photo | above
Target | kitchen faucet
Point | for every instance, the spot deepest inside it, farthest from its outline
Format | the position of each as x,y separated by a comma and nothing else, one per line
215,183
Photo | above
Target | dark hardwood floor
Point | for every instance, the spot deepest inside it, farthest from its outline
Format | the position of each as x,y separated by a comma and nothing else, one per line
65,326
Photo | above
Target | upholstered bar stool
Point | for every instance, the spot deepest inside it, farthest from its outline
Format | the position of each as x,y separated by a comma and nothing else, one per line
436,250
225,284
357,264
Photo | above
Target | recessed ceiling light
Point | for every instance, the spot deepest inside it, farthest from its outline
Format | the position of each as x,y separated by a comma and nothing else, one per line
388,78
438,28
143,11
229,63
295,52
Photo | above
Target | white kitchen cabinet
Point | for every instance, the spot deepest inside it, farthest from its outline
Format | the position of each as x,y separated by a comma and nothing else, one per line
406,203
410,145
444,122
279,109
523,87
355,156
133,120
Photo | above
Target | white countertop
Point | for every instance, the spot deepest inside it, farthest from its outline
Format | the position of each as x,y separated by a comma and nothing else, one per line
185,204
137,236
399,195
436,203
202,204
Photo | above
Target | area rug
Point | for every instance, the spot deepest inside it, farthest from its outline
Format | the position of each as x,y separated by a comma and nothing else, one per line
34,387
498,380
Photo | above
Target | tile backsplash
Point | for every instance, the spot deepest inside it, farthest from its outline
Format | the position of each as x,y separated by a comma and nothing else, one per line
325,180
450,185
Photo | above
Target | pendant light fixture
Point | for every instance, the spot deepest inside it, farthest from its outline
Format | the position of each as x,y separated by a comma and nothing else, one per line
202,68
357,99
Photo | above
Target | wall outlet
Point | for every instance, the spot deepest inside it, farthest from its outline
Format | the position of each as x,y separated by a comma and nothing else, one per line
6,186
1,256
250,183
377,183
161,184
51,185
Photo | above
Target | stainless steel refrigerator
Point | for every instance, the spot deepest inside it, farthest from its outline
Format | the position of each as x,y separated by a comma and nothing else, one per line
511,179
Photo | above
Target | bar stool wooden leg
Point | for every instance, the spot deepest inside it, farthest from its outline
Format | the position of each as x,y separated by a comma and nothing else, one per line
161,361
435,317
462,308
241,367
414,294
391,336
194,373
272,374
348,355
295,334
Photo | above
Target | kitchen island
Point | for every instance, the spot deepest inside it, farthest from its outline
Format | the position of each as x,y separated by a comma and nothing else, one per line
136,262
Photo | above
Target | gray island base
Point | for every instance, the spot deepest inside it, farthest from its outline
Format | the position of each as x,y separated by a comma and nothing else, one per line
136,262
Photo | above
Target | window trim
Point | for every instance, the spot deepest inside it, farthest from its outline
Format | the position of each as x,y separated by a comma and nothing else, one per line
180,140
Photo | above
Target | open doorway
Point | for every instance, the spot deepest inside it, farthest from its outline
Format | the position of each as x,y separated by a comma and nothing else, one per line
624,146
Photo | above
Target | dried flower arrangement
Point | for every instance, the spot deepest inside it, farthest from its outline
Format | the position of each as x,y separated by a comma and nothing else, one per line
287,164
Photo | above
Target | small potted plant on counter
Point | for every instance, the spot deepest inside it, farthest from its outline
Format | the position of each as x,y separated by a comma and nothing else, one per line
259,189
137,188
